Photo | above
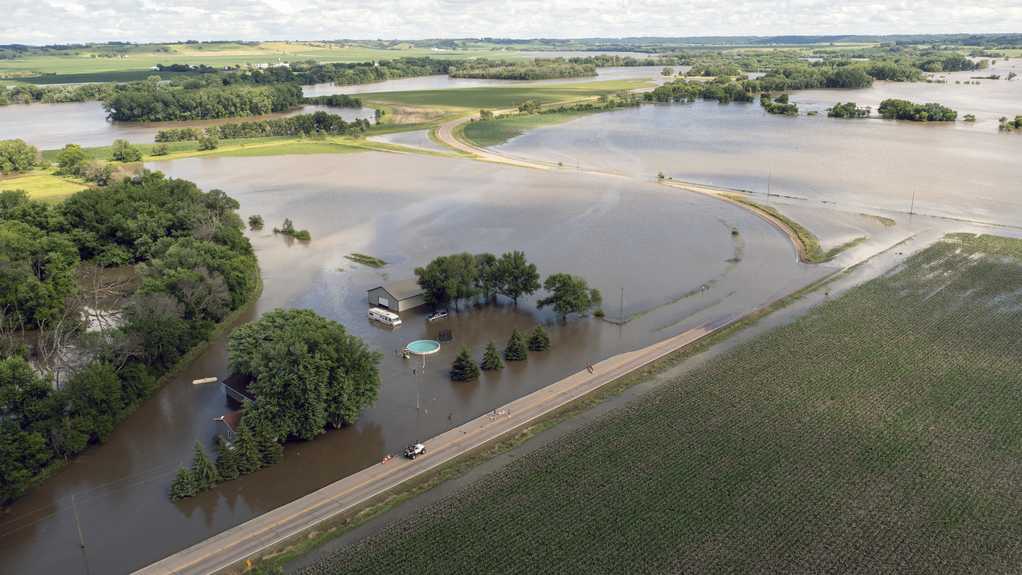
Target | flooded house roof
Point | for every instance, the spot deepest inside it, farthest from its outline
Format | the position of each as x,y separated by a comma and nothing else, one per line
237,386
403,289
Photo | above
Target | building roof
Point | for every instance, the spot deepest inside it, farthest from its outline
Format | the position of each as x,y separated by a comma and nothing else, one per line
239,384
404,289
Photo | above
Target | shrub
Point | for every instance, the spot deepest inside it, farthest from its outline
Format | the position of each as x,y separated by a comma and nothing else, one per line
122,151
160,150
255,222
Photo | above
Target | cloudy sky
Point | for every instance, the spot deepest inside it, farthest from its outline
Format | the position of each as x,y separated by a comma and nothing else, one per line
53,21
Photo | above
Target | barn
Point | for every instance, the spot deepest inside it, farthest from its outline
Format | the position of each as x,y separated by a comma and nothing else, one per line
398,296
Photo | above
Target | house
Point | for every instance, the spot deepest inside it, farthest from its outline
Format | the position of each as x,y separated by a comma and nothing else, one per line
236,387
231,421
398,296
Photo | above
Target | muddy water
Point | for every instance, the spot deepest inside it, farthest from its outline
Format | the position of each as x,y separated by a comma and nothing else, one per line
957,171
672,253
51,126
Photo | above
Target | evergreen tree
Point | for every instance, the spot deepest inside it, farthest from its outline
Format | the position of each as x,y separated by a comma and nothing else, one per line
269,448
204,473
226,460
491,359
464,369
515,350
539,340
246,449
183,485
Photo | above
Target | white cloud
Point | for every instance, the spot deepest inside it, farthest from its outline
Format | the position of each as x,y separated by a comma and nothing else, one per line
41,21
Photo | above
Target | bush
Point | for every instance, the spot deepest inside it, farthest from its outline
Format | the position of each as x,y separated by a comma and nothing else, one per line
122,151
894,109
160,150
209,141
71,160
255,222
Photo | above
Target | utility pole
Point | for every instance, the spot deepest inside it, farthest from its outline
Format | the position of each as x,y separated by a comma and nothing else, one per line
770,176
621,312
912,207
81,538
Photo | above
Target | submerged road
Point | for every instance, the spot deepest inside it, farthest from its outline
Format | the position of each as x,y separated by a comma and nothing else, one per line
256,535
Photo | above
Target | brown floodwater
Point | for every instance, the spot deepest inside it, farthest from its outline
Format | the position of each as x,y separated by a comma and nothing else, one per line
672,253
956,170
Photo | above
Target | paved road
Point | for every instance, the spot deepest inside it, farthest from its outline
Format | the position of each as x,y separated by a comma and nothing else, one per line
245,540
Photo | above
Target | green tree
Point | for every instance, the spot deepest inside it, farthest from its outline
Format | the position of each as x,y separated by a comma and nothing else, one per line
71,160
517,276
226,460
160,150
308,371
122,151
539,340
448,279
204,473
246,449
569,294
183,485
255,222
26,403
464,368
209,141
515,349
17,156
487,280
491,359
37,273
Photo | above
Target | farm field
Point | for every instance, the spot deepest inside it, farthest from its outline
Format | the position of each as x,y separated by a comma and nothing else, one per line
879,433
499,130
43,185
497,97
90,65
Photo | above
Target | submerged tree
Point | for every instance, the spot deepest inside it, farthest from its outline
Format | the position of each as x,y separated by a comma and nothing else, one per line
569,294
515,350
248,456
539,340
226,460
464,369
183,485
517,276
204,473
491,359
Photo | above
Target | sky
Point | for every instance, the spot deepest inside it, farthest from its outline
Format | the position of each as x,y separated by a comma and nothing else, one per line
65,21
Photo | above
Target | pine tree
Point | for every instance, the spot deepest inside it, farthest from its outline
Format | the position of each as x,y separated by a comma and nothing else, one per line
246,449
515,350
226,460
269,448
464,369
539,340
183,485
491,359
204,473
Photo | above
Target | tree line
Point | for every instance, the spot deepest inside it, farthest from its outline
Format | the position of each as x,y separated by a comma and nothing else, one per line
64,382
449,280
465,368
152,102
300,125
29,94
539,69
334,101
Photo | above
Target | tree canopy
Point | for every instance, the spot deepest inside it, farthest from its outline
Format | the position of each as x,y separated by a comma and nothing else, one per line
308,372
569,294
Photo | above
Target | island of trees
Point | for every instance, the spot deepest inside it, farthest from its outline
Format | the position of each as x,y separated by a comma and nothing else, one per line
895,109
153,102
174,260
540,69
300,125
847,110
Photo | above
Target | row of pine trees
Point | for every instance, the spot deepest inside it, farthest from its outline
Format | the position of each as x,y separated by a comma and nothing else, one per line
250,451
517,349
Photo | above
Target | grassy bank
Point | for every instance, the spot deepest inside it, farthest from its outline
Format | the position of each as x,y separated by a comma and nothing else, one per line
879,430
43,185
500,97
499,130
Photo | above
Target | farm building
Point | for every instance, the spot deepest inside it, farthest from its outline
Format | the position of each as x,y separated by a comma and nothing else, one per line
398,296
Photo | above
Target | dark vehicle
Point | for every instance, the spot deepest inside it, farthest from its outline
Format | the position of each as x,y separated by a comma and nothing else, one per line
415,450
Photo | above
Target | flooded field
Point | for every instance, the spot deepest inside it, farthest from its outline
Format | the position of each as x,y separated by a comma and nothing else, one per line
51,126
663,258
952,170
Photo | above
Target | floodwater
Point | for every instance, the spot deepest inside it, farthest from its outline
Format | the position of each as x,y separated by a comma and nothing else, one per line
414,139
52,126
443,82
949,170
664,257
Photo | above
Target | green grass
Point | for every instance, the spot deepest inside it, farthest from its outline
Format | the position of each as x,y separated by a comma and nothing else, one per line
811,244
366,260
244,147
500,97
879,433
43,185
501,129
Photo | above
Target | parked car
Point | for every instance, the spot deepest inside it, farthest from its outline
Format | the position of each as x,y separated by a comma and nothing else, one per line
438,314
415,450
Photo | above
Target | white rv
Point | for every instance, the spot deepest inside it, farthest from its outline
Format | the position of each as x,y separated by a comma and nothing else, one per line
385,317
